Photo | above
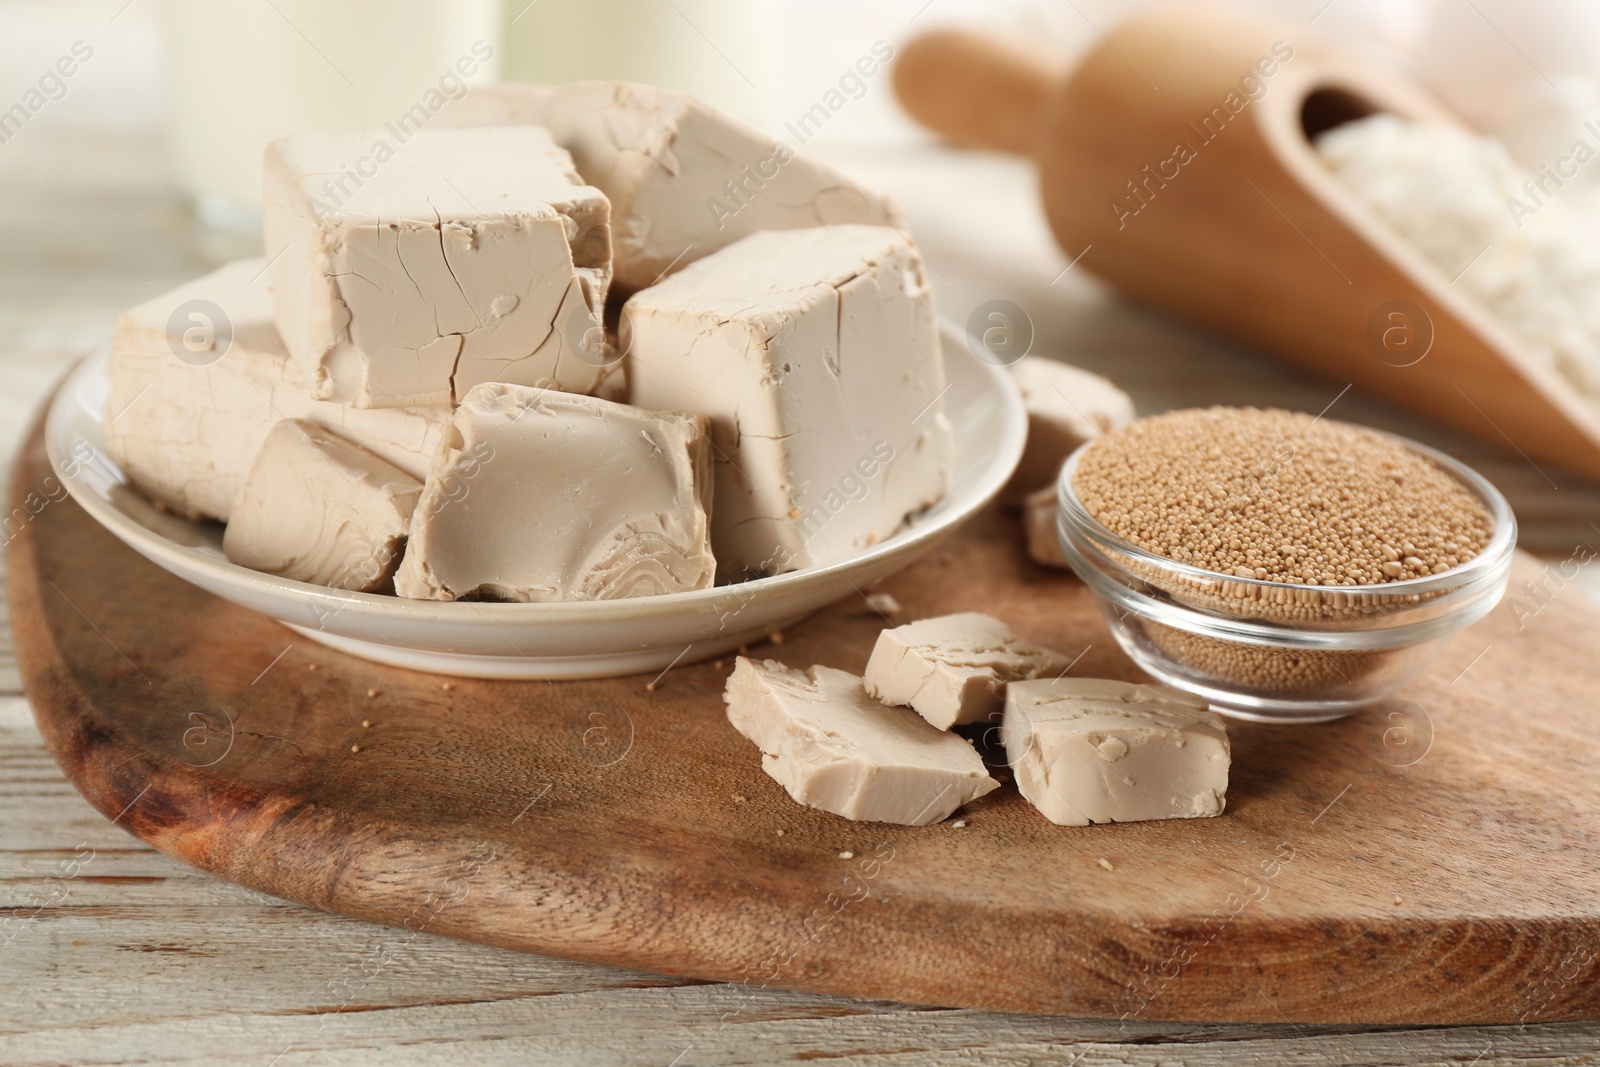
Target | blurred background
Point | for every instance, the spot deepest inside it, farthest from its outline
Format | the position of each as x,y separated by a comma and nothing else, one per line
217,78
140,168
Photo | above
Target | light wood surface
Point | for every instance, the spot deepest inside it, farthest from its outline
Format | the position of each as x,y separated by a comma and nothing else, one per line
1177,158
142,959
1428,861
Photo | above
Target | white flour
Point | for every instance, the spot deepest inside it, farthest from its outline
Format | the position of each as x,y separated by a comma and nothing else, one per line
1450,193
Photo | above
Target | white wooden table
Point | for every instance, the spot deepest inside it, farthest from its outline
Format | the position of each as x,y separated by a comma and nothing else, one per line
130,957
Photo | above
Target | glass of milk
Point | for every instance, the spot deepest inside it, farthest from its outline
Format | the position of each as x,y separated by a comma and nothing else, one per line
722,51
242,72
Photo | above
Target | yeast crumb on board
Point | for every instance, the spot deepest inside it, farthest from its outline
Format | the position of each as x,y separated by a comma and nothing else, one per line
366,724
1102,861
738,798
847,855
884,604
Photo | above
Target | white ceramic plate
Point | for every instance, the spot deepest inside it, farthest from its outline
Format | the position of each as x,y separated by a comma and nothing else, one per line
543,641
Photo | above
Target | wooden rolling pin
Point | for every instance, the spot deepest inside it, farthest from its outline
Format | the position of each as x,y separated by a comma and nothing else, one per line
1177,159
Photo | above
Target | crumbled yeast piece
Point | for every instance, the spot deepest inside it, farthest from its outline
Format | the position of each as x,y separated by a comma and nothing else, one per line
465,256
1090,750
684,179
544,496
185,431
816,355
954,669
1040,515
1066,408
318,509
835,748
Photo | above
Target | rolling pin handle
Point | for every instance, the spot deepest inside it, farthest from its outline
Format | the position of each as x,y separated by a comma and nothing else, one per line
978,91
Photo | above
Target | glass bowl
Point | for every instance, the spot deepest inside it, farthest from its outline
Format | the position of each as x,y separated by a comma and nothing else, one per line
1277,651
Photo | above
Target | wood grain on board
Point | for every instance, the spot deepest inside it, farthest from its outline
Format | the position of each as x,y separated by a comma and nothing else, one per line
1435,867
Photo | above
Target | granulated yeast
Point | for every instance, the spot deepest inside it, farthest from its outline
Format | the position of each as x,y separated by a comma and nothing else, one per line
1266,669
1281,497
1334,512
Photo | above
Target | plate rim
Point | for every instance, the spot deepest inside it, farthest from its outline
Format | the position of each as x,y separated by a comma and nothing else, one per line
180,560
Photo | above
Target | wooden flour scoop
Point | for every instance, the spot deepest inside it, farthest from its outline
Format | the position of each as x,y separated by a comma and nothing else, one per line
1192,196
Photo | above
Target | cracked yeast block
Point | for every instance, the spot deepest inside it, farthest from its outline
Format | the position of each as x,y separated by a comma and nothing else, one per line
185,429
833,747
1094,750
816,355
315,508
683,178
954,669
408,272
545,496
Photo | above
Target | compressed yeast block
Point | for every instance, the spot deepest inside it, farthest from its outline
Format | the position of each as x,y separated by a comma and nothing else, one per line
318,509
542,495
835,748
684,179
954,669
816,355
1091,750
1067,407
408,272
199,376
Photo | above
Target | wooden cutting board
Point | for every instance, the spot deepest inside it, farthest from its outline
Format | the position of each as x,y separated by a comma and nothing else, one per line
1436,861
